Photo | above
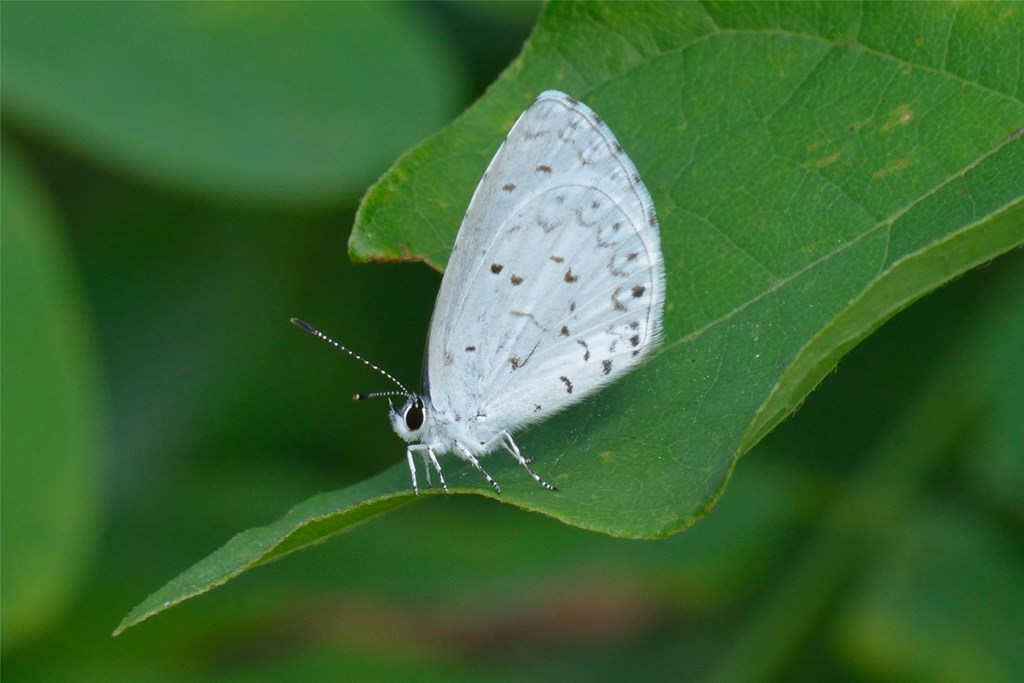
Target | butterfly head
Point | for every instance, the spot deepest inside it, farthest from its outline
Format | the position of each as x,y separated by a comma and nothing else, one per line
408,421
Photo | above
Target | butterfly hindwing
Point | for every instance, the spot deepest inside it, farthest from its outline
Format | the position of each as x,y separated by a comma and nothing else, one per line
555,286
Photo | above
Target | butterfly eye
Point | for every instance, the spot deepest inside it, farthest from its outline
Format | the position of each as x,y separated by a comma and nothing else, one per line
414,416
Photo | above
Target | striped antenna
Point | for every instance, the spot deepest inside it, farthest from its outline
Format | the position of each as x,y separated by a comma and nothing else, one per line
377,394
303,325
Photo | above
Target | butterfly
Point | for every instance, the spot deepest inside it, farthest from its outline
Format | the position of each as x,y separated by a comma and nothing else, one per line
554,289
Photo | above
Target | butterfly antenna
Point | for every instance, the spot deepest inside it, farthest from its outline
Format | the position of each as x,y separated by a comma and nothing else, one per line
377,394
302,324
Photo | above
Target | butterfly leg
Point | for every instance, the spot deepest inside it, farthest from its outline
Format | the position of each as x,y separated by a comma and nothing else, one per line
437,466
412,470
511,447
476,463
429,458
426,466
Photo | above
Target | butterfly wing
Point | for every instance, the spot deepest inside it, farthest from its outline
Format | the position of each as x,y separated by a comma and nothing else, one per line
555,285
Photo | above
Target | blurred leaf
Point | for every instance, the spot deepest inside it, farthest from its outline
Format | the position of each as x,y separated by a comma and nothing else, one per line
947,604
280,103
811,182
52,439
997,465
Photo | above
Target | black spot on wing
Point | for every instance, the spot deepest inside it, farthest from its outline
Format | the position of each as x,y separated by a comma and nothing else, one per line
569,277
516,280
508,187
568,384
616,270
616,304
518,362
529,316
496,268
607,365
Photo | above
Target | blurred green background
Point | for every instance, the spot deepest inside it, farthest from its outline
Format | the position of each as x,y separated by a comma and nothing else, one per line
178,180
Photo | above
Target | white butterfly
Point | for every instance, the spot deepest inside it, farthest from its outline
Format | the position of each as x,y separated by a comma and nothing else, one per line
555,288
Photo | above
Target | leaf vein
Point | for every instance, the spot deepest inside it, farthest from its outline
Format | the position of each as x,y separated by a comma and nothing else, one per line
883,224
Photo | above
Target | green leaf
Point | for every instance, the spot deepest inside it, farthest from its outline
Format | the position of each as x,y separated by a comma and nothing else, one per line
816,168
274,103
52,414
